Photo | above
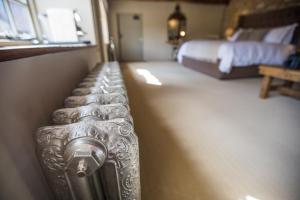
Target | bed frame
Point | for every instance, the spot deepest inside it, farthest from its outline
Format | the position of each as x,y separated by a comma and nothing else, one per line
267,19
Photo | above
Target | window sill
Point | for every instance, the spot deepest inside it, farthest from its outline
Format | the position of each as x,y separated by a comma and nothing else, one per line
17,52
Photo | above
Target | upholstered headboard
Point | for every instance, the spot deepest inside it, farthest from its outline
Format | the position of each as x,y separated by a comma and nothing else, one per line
273,18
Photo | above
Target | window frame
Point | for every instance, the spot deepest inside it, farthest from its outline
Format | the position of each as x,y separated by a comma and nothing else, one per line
14,40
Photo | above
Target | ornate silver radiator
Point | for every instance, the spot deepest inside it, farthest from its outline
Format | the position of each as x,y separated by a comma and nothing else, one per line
91,151
99,89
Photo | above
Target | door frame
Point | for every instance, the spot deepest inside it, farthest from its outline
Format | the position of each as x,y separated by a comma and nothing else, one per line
119,32
103,51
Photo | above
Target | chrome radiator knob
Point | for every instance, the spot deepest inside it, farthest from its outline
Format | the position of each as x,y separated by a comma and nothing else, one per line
84,156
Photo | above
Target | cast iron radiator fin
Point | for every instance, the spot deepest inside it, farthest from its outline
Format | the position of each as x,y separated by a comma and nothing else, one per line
91,152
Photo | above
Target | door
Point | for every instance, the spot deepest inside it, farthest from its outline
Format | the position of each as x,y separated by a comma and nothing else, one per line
130,37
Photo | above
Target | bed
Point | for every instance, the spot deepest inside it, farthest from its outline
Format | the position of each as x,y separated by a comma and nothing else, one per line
209,61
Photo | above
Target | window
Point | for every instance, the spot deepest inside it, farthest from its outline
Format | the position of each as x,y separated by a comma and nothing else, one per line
5,26
22,19
16,21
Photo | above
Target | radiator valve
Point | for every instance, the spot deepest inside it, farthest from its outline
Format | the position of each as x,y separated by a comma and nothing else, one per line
84,156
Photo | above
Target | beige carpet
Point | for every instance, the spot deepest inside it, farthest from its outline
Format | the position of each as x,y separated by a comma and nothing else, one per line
201,138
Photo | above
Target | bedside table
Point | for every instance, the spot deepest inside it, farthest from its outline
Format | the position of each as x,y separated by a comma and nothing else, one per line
290,76
175,48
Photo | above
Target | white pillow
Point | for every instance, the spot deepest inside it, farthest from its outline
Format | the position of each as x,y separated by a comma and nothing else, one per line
235,36
289,36
281,34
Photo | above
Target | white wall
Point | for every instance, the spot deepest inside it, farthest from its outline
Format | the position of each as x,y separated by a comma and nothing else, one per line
202,21
84,8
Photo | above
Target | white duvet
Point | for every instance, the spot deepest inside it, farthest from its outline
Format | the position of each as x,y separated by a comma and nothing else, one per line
240,54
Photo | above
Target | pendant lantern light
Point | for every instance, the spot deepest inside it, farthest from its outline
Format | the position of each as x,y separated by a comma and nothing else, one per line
176,26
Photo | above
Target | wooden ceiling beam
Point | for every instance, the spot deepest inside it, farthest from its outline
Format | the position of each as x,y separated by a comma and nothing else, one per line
226,2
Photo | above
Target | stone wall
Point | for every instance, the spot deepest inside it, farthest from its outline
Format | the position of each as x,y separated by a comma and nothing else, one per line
238,7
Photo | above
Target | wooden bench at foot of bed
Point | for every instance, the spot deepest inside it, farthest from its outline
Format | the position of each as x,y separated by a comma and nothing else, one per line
290,76
212,69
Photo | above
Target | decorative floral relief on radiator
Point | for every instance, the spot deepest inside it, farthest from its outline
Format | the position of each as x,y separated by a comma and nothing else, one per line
102,80
109,80
119,139
99,90
94,110
103,99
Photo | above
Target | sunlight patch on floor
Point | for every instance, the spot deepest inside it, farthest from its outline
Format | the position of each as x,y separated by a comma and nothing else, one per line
150,78
248,197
